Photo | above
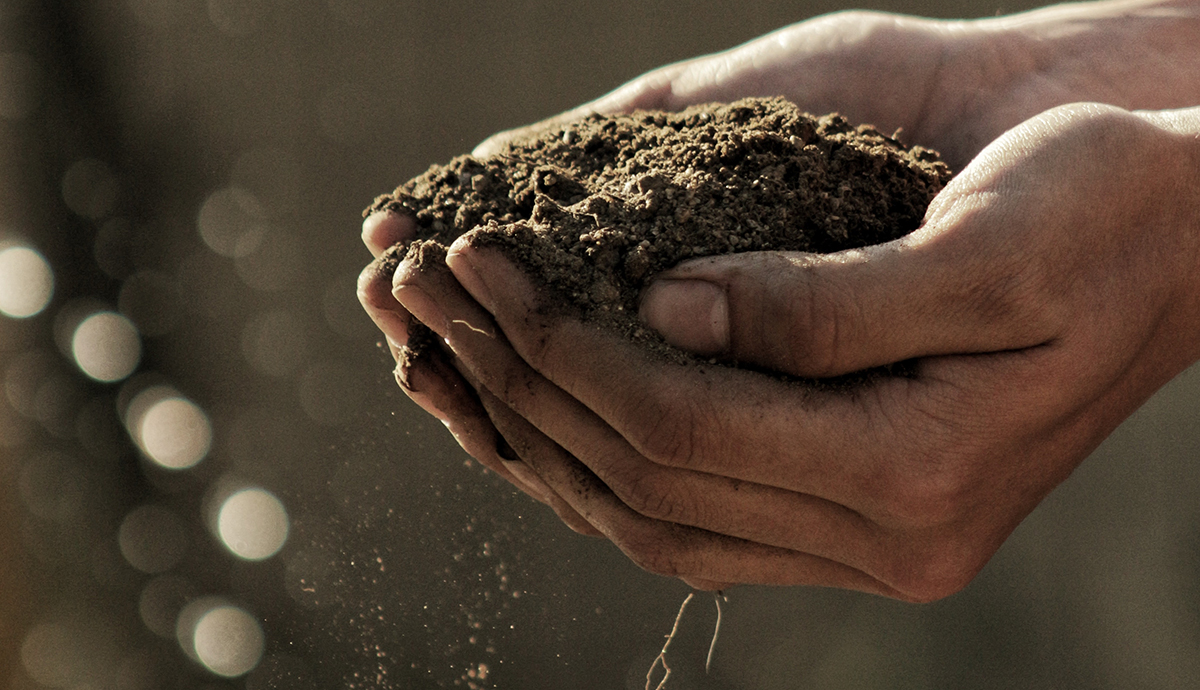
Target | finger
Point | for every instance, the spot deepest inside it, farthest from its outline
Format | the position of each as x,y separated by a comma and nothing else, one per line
930,293
436,386
382,229
454,399
901,464
561,508
665,548
522,471
698,417
750,511
430,380
375,295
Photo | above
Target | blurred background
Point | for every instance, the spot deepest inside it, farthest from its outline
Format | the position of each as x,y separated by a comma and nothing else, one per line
209,480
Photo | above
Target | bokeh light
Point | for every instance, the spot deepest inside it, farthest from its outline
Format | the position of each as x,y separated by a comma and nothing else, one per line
26,282
171,430
232,222
70,651
176,433
189,616
161,600
90,188
47,655
152,539
253,524
106,346
224,638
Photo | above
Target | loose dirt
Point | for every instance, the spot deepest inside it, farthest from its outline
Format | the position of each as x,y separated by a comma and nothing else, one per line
595,208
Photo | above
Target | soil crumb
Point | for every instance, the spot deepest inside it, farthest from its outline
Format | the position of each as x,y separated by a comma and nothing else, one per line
593,209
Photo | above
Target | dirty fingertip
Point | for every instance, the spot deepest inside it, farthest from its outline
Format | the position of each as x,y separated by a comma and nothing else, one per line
382,229
461,258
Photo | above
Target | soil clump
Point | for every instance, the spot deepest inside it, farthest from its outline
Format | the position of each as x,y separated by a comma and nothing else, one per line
595,208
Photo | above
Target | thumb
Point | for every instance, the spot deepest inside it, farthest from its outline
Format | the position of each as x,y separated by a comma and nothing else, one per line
824,315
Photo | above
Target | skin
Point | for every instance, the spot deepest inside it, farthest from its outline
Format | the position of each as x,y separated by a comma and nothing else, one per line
1049,292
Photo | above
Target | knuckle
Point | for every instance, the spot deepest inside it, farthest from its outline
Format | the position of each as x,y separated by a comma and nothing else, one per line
937,475
941,569
1014,294
929,496
666,429
818,322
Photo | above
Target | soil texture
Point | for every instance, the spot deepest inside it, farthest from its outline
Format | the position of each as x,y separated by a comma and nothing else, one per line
595,208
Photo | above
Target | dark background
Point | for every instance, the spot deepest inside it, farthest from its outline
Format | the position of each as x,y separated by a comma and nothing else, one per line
406,565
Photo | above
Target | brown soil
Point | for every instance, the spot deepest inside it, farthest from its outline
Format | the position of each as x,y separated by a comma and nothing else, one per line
595,208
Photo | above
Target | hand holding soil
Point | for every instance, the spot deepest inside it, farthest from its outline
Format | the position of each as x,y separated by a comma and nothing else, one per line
950,85
1048,293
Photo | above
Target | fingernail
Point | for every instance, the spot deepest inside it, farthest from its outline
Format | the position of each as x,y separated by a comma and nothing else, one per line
460,259
692,315
393,346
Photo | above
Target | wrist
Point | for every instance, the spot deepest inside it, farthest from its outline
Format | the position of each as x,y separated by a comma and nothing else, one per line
1182,127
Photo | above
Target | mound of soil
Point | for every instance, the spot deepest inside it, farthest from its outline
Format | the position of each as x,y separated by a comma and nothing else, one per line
595,208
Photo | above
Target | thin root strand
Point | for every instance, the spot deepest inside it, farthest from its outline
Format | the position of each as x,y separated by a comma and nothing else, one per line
662,656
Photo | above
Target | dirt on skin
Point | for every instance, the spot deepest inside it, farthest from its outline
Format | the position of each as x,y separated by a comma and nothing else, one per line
595,208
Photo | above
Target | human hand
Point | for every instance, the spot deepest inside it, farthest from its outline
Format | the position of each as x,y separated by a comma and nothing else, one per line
982,90
1048,294
434,381
950,85
953,86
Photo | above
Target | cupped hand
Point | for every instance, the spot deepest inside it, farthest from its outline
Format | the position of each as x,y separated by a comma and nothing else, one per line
950,85
434,381
1048,294
1027,349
